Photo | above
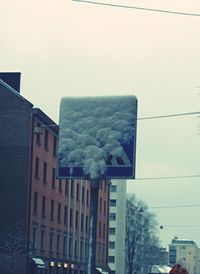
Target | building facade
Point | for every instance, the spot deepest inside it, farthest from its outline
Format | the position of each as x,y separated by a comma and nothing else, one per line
117,226
49,217
186,253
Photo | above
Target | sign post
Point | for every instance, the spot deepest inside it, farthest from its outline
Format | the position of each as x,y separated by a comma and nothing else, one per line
97,140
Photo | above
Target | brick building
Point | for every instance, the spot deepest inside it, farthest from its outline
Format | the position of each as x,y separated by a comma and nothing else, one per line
44,221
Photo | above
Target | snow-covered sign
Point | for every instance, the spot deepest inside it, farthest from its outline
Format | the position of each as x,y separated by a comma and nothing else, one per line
97,137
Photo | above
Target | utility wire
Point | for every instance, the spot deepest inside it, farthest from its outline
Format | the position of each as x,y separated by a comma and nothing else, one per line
167,177
146,118
169,115
175,206
138,8
180,225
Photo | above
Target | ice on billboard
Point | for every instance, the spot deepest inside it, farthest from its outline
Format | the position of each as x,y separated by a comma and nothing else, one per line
97,137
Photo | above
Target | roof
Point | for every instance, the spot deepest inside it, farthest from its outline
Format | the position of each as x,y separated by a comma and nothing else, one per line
160,269
14,92
182,242
100,270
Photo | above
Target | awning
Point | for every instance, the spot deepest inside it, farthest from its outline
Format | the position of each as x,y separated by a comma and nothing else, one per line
100,270
39,262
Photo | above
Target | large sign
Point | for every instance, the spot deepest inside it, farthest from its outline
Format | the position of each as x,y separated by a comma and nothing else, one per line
97,137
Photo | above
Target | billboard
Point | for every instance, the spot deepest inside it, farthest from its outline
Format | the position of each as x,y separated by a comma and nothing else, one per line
97,137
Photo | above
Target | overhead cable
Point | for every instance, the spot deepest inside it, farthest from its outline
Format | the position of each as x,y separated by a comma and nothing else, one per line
175,206
138,8
167,177
169,115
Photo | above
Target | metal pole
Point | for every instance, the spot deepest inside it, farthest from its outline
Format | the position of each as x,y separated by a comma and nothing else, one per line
94,198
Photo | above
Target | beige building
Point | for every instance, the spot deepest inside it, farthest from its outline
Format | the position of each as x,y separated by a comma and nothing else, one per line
117,227
186,253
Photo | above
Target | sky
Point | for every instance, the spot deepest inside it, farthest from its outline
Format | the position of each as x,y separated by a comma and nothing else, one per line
70,48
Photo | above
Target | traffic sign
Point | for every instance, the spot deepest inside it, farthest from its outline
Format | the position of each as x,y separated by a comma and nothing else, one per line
97,137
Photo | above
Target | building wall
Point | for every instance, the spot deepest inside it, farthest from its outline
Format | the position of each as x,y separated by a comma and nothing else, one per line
15,113
117,226
188,256
30,191
66,228
186,253
102,225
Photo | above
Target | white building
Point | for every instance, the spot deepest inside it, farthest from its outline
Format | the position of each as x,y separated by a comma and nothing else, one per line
186,253
117,226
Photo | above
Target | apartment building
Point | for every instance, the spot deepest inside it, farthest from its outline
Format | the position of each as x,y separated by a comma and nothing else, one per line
117,226
186,253
44,221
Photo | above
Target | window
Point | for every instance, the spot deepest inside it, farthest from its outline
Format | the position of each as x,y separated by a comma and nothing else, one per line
54,146
46,139
86,224
65,245
34,237
65,215
45,173
66,187
99,229
81,249
112,231
35,203
70,246
76,249
104,208
105,186
51,242
53,179
112,216
42,240
111,259
71,217
82,222
100,202
72,188
59,213
58,244
112,245
38,131
77,192
60,185
87,197
83,194
113,202
77,222
113,188
104,230
52,210
37,164
43,206
86,251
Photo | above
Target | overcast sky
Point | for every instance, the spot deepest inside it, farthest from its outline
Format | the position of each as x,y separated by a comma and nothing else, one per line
65,48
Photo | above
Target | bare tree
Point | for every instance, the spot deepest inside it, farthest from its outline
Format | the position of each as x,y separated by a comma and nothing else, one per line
12,243
142,244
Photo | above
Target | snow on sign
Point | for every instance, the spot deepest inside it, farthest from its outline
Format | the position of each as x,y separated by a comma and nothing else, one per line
97,137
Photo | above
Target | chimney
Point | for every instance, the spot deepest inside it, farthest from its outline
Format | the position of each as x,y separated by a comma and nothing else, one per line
12,79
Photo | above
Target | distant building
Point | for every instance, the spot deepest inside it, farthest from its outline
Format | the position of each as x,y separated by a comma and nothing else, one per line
186,253
44,221
117,226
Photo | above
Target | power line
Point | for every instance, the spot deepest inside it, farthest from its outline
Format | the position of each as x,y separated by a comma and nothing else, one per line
167,177
169,115
181,225
148,117
138,8
175,206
